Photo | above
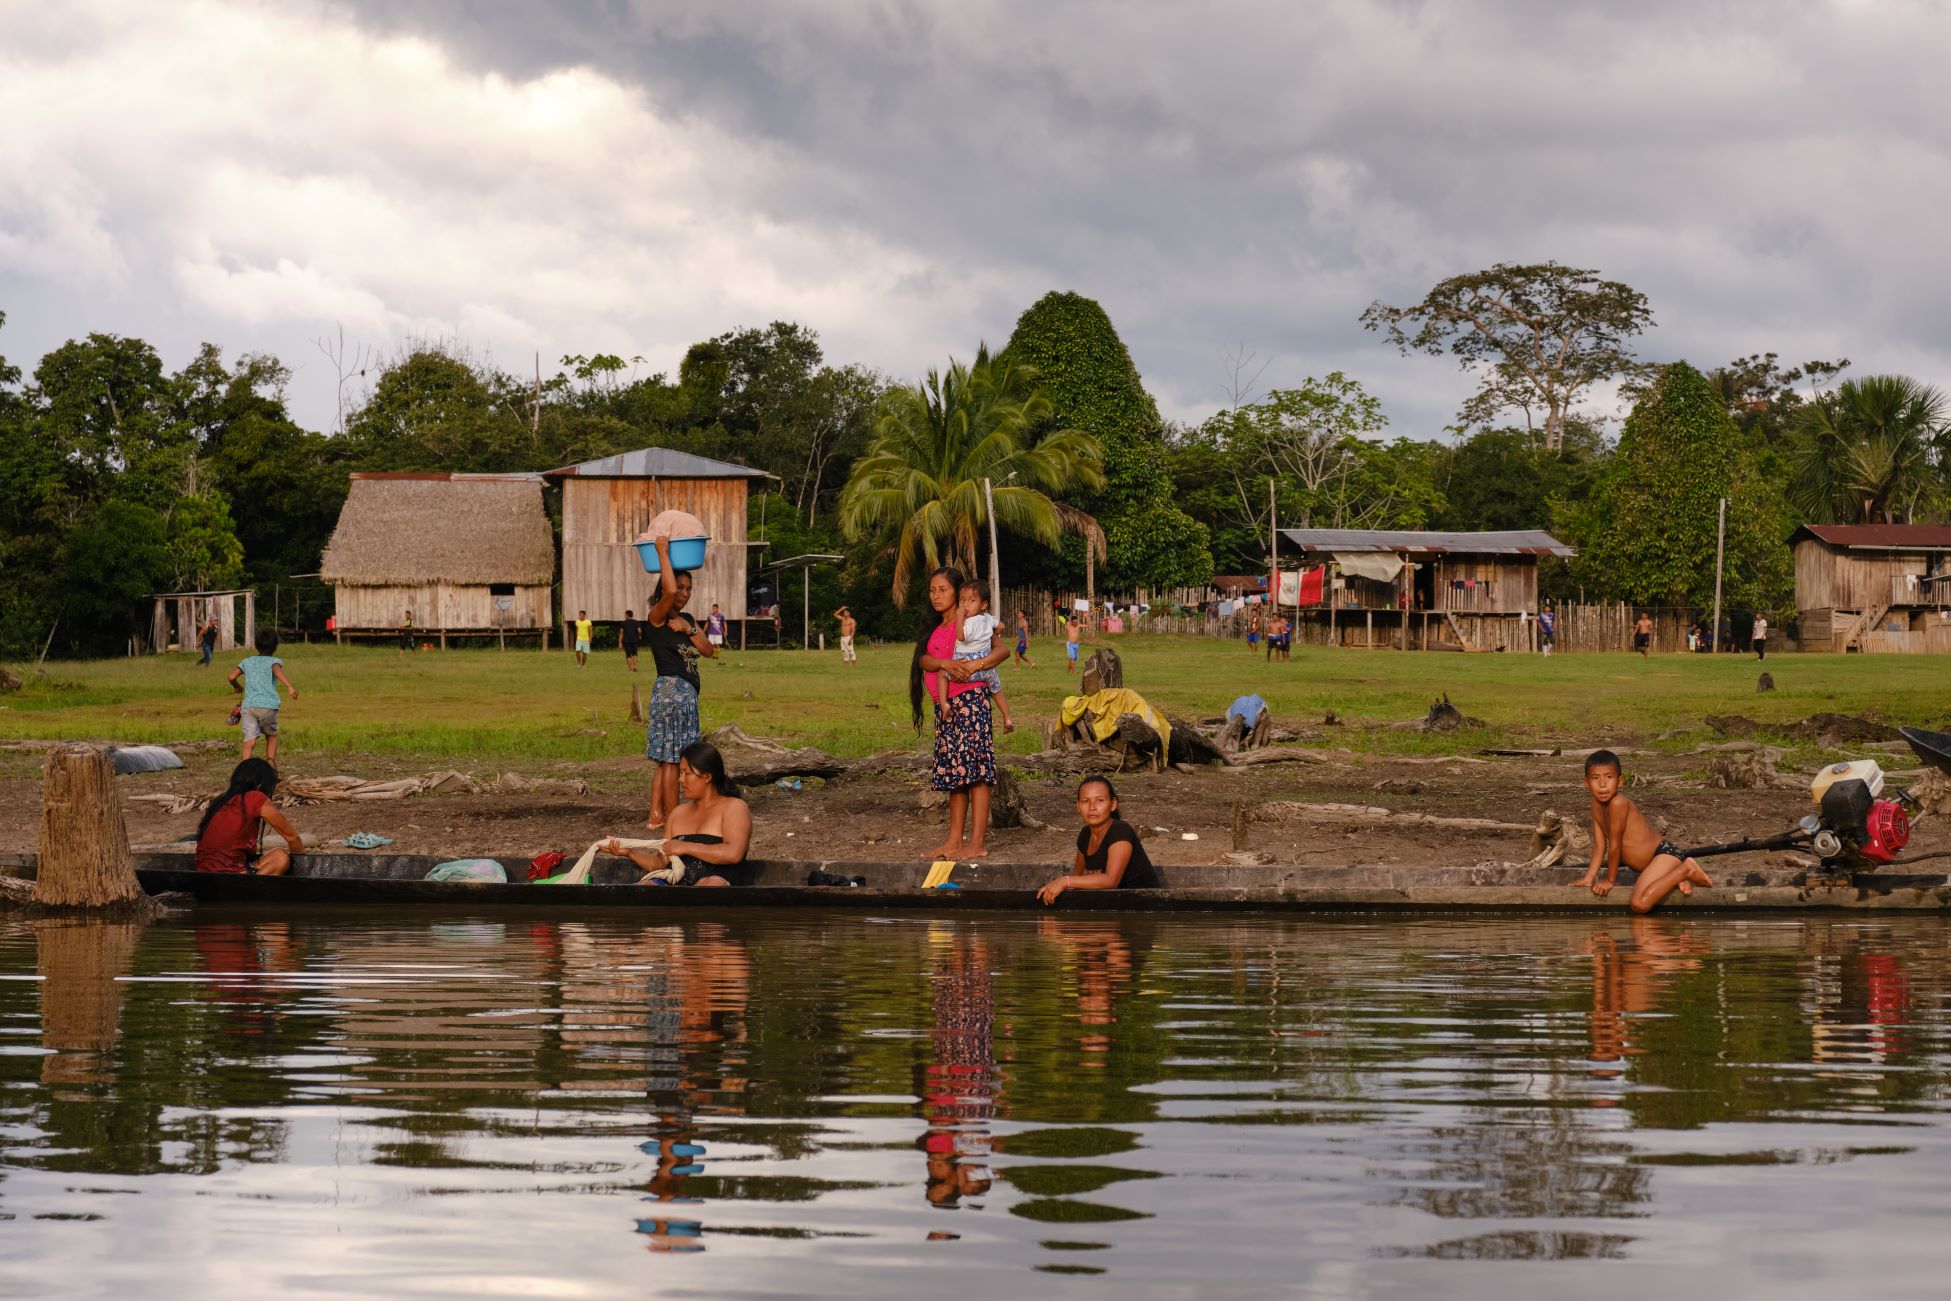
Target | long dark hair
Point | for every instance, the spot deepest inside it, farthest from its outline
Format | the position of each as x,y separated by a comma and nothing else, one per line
928,626
250,775
705,760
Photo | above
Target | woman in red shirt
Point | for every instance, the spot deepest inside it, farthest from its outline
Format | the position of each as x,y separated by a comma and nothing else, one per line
227,838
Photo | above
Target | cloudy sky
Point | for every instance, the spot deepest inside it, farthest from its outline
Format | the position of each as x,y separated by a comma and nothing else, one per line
907,177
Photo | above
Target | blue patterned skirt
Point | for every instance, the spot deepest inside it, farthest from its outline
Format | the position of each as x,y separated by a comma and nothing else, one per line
673,719
965,744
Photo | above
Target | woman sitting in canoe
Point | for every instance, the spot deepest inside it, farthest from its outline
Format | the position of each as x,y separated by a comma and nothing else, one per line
711,829
227,838
1109,855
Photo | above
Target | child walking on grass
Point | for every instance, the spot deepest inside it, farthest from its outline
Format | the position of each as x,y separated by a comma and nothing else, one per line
257,677
1621,834
977,640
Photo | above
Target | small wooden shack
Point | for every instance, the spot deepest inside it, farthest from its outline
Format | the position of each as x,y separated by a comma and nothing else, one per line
175,618
1874,587
609,502
1417,590
468,554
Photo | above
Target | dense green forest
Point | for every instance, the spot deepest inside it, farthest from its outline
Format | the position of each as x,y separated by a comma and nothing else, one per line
119,477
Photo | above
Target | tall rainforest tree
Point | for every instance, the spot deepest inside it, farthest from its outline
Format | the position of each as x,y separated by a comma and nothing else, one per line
937,441
1873,452
1539,337
1647,534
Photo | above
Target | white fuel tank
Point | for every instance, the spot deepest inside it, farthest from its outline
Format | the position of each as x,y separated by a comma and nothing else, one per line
1864,770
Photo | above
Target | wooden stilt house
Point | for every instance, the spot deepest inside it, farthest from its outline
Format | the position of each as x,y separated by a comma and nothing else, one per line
1873,587
468,554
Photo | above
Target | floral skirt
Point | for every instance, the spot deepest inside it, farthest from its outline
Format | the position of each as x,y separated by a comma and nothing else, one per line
673,719
965,744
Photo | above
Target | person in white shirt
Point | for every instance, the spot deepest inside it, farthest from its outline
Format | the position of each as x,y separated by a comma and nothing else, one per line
1761,637
976,641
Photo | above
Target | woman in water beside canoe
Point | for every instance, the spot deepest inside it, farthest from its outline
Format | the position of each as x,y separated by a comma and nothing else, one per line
227,838
711,830
1109,855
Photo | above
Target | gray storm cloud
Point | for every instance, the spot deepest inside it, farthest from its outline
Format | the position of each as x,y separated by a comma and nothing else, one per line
905,178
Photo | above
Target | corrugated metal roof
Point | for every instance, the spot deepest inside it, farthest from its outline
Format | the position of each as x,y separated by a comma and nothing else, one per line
1514,542
1881,536
657,463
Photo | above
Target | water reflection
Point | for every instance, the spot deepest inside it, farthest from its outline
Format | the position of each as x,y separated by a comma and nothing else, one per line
1133,1096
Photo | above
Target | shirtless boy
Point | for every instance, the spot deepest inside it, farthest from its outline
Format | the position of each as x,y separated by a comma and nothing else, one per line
1621,834
1643,633
848,627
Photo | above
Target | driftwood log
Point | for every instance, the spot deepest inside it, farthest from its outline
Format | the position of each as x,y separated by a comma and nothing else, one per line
1190,745
1006,809
1292,810
752,759
84,843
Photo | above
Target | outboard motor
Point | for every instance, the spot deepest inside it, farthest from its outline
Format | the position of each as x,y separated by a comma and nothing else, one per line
1852,819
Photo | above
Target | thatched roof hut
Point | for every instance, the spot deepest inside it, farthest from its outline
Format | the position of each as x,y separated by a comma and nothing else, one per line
462,552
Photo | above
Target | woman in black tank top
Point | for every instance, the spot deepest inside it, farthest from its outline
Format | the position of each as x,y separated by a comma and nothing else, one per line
1109,853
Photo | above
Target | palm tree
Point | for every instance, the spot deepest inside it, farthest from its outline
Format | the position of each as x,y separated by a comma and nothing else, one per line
935,443
1869,452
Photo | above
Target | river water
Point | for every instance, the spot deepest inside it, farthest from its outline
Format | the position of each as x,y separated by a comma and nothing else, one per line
805,1104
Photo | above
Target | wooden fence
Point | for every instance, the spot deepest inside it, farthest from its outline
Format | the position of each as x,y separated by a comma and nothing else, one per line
1582,628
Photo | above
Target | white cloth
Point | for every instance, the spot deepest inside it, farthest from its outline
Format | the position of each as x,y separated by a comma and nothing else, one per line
1761,629
579,874
1375,565
975,641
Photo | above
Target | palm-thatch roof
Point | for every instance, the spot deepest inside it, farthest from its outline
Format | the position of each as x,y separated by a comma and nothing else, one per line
404,530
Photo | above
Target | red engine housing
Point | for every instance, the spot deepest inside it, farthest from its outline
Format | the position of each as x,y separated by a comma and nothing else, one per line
1889,830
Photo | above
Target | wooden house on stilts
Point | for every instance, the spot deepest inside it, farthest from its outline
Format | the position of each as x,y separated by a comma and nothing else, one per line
1417,590
608,503
1873,587
468,554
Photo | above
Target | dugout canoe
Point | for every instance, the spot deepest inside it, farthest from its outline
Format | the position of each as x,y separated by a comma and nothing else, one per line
396,880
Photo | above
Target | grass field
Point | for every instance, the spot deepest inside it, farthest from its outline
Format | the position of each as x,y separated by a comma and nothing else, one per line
487,705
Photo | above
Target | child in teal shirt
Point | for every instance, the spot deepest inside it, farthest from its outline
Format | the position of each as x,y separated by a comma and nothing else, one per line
260,675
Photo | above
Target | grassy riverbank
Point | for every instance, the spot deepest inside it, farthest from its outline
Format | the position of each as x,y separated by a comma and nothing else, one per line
459,706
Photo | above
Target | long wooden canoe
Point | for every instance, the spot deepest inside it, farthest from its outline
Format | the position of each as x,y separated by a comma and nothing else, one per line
399,879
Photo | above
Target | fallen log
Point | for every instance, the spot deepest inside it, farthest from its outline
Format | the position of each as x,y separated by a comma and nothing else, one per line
757,759
1190,745
1287,754
1293,810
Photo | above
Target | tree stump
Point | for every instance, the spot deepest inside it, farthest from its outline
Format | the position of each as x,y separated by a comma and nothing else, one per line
1104,671
1263,731
1232,735
636,704
85,860
1006,808
1190,745
1141,740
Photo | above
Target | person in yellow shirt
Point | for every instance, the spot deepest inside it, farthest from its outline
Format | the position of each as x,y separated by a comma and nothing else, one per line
584,631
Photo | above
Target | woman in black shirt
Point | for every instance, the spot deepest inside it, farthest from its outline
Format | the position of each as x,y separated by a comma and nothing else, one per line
1109,855
675,645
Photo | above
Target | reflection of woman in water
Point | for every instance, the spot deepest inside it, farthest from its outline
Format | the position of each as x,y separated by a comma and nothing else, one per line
699,989
1105,966
959,1088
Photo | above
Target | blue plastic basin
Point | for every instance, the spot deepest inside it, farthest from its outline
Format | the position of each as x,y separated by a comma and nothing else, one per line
686,554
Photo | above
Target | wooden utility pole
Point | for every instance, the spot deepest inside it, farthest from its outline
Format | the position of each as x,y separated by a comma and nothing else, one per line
1720,555
1273,546
995,555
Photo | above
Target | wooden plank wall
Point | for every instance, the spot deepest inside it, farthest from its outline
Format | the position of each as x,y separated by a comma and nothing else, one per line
440,605
601,521
1513,583
1829,579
